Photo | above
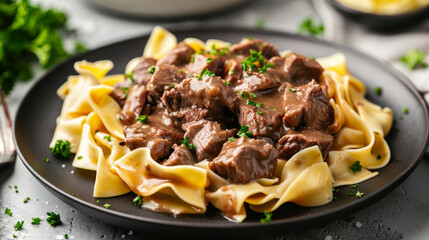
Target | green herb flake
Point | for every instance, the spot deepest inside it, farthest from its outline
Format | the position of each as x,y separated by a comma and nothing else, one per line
209,60
335,198
46,160
61,148
26,199
16,189
259,104
252,95
231,71
172,85
79,157
308,26
335,189
356,167
53,219
187,143
267,218
231,139
14,236
66,236
142,119
226,83
353,186
18,225
151,70
359,194
180,70
108,138
138,201
205,72
192,58
98,201
7,211
35,221
312,58
378,156
292,90
259,23
259,112
244,94
244,133
10,186
250,102
414,58
351,193
107,206
130,76
378,90
405,110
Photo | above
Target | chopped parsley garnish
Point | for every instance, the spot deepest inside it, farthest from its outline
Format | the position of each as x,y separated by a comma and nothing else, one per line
61,148
292,90
232,139
172,85
151,70
7,211
259,112
192,58
252,95
414,58
180,70
18,225
231,71
353,186
108,138
10,186
312,58
267,218
244,94
142,119
66,236
79,157
188,144
36,221
26,199
107,206
359,194
335,189
205,72
259,23
14,236
351,193
46,159
265,66
125,89
310,27
53,219
138,201
98,201
249,62
226,83
130,76
356,167
259,104
250,102
378,90
209,60
405,110
378,156
16,189
244,133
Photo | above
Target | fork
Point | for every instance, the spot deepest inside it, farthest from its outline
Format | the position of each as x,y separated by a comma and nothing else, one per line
7,146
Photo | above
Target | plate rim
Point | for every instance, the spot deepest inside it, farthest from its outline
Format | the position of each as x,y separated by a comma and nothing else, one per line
332,214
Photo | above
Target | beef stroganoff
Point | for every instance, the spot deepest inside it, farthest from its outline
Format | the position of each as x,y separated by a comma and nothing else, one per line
196,123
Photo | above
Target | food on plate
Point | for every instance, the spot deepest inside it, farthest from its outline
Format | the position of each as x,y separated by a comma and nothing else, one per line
385,7
193,123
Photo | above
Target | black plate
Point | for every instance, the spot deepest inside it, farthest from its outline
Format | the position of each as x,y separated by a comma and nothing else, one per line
383,23
35,124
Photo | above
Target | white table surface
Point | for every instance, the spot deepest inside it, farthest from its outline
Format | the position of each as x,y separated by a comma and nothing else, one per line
403,213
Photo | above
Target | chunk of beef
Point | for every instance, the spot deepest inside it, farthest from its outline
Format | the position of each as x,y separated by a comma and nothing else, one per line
208,137
233,72
243,48
261,121
160,117
141,70
308,107
255,81
133,105
121,90
209,94
211,63
180,156
302,69
158,140
162,78
295,141
245,159
179,55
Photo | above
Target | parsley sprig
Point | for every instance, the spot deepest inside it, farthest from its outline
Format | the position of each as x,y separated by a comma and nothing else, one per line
142,119
267,218
53,219
35,221
7,211
187,143
356,167
244,133
61,148
310,27
18,225
414,58
205,72
138,201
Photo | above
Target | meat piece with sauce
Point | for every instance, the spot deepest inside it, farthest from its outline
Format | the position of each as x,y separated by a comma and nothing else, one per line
179,55
245,159
158,140
211,63
243,48
207,97
295,141
262,122
208,137
181,156
133,105
141,70
162,78
302,69
307,106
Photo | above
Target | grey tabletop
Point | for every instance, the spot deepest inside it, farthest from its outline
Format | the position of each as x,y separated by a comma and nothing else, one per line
403,213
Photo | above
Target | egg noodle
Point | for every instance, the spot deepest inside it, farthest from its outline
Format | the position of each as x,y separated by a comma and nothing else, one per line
88,121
